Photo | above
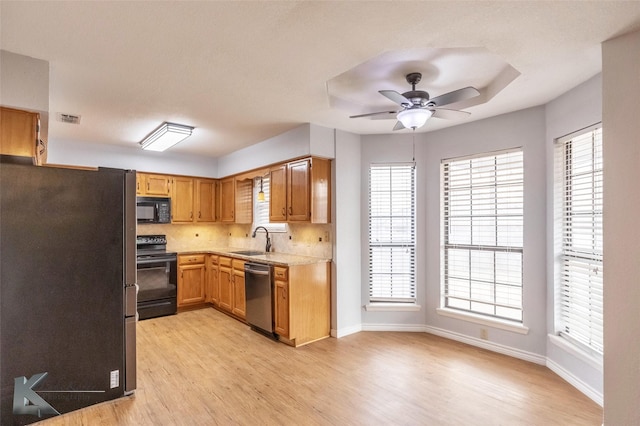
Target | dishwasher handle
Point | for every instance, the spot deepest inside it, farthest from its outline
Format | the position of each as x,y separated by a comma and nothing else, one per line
257,268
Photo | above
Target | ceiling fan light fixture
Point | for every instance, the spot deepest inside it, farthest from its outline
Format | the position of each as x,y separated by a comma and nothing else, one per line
414,118
166,136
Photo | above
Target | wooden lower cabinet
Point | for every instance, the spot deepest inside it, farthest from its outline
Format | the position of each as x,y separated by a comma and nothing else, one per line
213,280
302,311
231,286
239,307
191,279
281,301
225,281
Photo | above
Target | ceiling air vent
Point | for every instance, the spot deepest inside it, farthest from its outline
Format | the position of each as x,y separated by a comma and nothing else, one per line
69,118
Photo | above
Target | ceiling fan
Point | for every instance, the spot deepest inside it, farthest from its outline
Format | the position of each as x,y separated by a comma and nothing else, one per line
417,108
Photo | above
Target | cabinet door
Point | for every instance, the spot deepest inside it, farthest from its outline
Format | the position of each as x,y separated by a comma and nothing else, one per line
213,279
158,185
205,210
298,194
281,308
191,284
140,185
239,298
320,190
182,200
225,281
19,132
244,201
278,194
227,200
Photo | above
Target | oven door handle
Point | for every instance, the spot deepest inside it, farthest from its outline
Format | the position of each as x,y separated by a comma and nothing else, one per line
154,259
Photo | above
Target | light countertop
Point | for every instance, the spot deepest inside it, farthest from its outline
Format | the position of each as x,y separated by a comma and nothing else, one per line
282,259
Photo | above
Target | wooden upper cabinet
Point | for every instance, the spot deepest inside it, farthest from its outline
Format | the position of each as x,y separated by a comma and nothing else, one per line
298,194
227,200
182,200
278,194
153,185
20,134
205,210
244,201
320,186
300,191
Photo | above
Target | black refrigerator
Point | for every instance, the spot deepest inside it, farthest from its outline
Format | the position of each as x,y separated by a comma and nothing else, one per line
67,289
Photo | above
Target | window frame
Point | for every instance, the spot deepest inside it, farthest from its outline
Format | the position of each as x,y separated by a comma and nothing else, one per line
406,288
570,259
450,304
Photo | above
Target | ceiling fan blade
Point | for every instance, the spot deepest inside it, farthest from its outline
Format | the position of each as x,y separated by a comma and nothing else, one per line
449,114
374,114
455,96
398,126
396,97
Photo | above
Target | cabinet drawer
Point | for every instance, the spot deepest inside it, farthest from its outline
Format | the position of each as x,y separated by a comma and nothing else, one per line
191,259
224,261
238,264
213,259
280,273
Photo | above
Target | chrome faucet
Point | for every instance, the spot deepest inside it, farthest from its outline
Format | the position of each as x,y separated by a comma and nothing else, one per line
268,246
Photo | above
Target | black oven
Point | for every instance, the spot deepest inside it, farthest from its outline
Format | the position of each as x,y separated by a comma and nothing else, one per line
157,277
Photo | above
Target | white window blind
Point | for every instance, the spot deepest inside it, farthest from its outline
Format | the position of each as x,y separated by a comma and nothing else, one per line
581,285
261,208
392,236
482,234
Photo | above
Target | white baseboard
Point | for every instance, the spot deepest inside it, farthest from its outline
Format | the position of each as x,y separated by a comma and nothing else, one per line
488,345
345,331
596,396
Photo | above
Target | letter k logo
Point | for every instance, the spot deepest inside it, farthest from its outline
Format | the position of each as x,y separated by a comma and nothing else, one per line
26,400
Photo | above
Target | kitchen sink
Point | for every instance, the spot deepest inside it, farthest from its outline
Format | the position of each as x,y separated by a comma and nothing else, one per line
248,252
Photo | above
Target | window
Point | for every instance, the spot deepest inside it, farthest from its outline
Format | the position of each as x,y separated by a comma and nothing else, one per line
482,233
392,236
579,229
261,208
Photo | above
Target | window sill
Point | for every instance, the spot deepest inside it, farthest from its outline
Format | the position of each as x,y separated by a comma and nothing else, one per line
392,307
481,319
566,346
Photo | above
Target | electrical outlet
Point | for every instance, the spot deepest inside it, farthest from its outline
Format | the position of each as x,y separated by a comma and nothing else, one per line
484,334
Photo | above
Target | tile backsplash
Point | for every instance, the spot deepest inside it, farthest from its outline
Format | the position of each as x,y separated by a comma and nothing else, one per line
302,239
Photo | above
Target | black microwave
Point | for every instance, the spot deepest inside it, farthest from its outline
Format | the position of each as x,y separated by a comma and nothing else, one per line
153,210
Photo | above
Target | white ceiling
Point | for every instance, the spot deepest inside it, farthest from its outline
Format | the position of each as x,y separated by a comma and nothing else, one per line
241,72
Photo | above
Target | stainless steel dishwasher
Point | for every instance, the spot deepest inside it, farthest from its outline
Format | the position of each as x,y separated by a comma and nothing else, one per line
259,293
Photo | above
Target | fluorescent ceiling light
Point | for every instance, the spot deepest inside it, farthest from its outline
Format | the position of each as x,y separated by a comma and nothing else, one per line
166,136
414,118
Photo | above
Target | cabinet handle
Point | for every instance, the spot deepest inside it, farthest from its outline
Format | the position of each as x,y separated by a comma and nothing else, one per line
290,210
147,186
137,186
199,215
284,212
190,215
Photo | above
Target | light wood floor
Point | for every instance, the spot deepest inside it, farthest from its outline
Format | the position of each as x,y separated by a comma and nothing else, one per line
204,368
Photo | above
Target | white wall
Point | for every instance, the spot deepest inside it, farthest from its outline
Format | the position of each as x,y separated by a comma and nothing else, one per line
24,84
578,108
346,280
621,143
397,148
304,140
92,155
520,129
